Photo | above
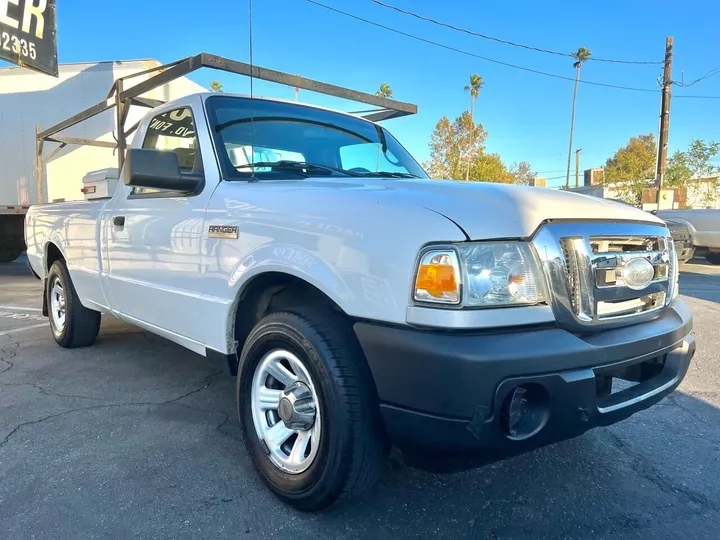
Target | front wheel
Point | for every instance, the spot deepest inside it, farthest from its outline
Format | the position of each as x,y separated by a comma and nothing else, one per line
72,324
687,256
309,410
712,258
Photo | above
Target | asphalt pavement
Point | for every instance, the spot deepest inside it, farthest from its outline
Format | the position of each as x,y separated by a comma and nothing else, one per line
136,437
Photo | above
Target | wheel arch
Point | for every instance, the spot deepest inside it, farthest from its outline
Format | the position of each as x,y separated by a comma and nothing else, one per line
269,291
51,254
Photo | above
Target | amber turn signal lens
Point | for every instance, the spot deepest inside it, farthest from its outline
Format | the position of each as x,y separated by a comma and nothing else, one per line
437,278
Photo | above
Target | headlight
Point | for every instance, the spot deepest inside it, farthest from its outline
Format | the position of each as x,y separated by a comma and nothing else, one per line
492,274
501,274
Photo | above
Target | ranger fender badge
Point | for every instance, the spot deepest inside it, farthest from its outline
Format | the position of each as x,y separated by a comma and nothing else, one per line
222,231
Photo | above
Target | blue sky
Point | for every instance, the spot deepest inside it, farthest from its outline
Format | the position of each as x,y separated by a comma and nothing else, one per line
527,115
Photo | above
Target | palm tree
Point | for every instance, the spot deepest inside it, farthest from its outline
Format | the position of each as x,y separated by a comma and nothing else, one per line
384,91
476,83
215,86
580,56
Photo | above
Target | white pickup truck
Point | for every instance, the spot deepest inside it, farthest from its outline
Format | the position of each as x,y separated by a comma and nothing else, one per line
360,303
698,230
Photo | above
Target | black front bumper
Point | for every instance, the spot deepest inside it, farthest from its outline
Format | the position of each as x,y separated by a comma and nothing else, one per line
442,393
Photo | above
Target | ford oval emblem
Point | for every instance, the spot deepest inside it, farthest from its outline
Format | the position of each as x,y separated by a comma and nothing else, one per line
638,273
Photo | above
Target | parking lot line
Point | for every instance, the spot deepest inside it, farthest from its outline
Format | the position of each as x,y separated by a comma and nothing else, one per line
23,329
20,308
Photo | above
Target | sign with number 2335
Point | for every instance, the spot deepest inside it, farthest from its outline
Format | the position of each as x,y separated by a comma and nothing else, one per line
28,34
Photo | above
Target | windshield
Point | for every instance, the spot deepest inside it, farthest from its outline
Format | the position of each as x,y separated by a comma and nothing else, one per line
255,134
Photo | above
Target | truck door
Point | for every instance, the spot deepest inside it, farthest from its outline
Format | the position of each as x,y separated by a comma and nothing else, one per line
153,237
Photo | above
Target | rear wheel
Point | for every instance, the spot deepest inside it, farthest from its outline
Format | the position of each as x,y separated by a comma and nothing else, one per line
713,258
12,237
72,324
9,255
308,409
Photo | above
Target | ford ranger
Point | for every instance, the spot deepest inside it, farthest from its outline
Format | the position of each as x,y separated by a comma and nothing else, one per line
361,304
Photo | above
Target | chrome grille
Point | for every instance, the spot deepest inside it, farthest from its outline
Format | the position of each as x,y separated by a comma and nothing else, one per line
584,264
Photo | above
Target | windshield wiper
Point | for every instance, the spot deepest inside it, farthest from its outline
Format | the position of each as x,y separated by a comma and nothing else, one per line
390,174
302,168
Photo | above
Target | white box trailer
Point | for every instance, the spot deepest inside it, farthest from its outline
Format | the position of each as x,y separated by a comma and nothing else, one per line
29,99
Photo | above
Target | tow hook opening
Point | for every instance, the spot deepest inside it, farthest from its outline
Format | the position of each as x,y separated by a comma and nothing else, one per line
525,411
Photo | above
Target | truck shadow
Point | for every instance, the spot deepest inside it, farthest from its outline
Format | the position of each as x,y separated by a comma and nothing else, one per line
700,281
640,478
653,475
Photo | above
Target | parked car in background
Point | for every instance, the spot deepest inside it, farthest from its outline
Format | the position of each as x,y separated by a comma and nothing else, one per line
681,235
703,229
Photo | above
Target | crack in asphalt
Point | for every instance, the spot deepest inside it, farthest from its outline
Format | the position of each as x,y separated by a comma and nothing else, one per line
206,383
48,392
6,359
644,469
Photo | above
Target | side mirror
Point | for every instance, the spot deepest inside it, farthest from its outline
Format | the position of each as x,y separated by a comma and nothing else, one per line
158,169
654,212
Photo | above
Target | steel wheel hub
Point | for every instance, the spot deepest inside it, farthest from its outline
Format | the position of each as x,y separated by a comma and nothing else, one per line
286,411
297,407
57,305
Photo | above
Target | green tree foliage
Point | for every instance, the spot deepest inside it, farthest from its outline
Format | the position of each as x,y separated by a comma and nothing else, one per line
695,162
522,173
455,144
580,56
629,170
490,168
384,91
215,86
476,83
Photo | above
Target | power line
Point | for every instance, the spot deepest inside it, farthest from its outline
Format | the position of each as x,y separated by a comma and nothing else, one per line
504,41
709,74
467,53
695,97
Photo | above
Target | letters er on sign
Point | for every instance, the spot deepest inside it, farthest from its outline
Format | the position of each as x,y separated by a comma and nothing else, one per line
28,34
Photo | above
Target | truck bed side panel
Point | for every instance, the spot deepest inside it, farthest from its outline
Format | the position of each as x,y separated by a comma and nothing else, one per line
73,229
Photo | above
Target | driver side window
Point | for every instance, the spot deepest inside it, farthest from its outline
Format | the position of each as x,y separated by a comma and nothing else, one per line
172,131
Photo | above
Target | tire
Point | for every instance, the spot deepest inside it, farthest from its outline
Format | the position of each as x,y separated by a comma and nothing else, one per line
353,446
688,257
712,258
12,237
78,326
9,255
689,254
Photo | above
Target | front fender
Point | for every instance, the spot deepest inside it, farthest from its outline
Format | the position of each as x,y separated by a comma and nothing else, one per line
295,261
350,289
357,245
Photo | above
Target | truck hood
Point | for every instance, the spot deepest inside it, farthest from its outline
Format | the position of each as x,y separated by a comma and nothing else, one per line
487,210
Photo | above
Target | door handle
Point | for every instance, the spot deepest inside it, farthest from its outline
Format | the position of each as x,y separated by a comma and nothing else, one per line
119,221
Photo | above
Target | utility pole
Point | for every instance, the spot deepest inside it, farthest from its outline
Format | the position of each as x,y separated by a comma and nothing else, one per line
664,119
577,166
